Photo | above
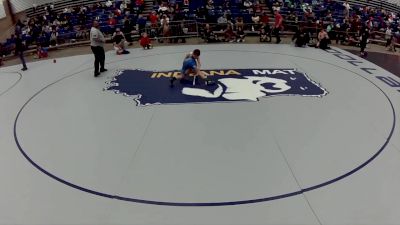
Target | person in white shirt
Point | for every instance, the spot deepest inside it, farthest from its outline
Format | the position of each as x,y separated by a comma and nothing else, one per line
109,3
346,9
97,41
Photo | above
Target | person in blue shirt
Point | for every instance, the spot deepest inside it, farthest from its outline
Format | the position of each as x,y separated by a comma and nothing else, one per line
191,67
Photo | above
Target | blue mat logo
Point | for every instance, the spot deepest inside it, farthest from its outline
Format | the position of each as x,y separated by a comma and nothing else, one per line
148,87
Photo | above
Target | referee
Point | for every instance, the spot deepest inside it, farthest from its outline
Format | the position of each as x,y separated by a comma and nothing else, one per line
97,41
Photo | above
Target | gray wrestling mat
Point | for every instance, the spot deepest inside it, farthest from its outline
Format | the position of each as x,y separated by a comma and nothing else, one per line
286,136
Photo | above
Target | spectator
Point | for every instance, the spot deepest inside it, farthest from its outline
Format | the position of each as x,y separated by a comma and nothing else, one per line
120,42
41,52
346,10
239,23
177,30
240,35
323,39
256,20
210,5
141,21
165,28
364,35
278,26
265,33
247,4
301,37
229,34
109,3
19,50
145,41
54,38
264,18
209,35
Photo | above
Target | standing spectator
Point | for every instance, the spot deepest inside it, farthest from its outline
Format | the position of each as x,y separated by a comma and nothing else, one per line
126,29
165,27
19,50
388,36
278,25
97,41
346,10
141,21
364,35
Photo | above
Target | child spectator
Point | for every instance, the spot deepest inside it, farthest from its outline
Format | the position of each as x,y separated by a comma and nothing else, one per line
41,52
145,41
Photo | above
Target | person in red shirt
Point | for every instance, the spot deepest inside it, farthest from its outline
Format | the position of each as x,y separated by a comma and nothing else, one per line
278,25
145,41
112,21
153,19
264,18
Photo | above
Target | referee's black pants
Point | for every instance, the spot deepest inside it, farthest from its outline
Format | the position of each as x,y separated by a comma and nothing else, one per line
99,58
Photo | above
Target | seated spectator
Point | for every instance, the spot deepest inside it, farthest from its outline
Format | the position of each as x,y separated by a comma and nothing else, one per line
81,32
240,35
301,37
265,33
276,7
209,35
226,4
239,23
247,4
140,5
120,42
222,21
256,20
53,38
112,21
229,34
264,18
210,5
109,3
145,41
163,8
323,39
41,52
153,19
257,7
